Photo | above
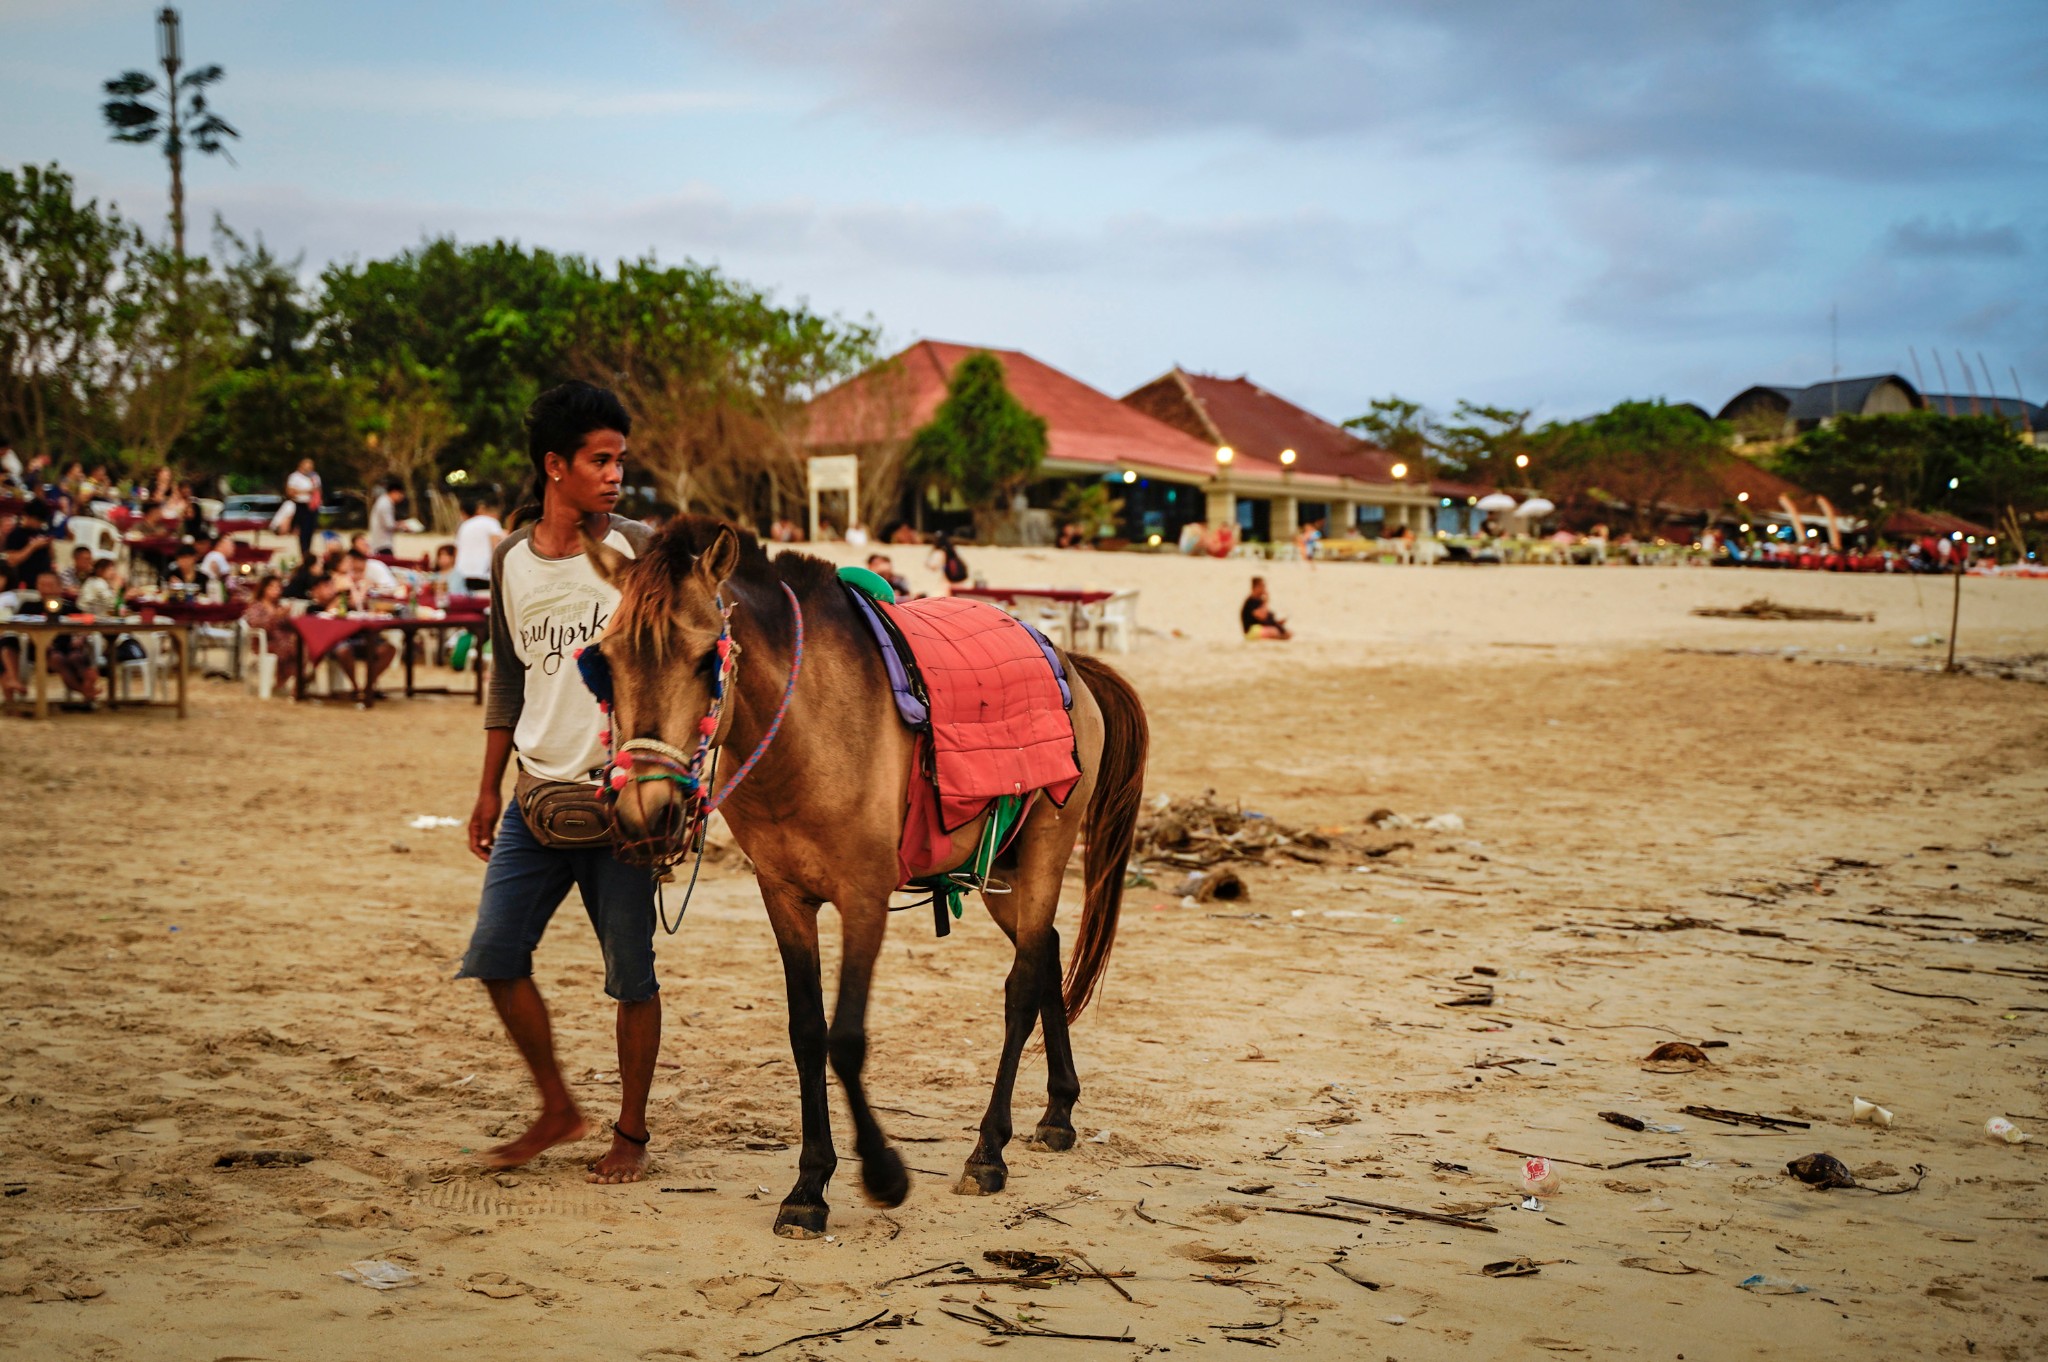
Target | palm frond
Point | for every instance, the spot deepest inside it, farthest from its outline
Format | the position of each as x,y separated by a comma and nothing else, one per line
132,120
202,77
131,84
208,132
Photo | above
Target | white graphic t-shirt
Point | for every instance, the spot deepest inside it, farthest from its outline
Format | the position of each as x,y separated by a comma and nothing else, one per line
542,611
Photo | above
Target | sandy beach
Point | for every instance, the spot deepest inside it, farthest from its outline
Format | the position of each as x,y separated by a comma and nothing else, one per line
1788,847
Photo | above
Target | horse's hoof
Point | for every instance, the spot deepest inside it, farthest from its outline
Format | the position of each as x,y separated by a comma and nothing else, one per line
883,1179
1053,1139
801,1222
982,1179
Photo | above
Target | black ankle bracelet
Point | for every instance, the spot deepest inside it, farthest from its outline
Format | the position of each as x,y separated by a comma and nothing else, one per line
641,1140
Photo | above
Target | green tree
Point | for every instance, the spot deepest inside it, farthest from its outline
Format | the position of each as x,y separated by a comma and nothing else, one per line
1638,453
406,421
500,321
172,337
1481,444
1871,466
71,273
716,374
259,423
175,112
982,443
1090,506
1403,428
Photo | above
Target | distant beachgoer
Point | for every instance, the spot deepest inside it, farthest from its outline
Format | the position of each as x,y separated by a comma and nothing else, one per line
946,560
270,616
27,546
1256,615
384,519
11,602
476,539
74,574
857,534
1307,539
302,489
881,566
100,593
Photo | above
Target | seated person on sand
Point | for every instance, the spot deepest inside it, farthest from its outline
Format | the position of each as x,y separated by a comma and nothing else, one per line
1256,615
71,656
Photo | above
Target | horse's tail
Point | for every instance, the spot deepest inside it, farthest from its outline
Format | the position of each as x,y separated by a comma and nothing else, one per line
1111,825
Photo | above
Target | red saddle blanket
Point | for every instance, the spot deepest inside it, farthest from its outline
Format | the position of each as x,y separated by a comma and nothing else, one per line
998,719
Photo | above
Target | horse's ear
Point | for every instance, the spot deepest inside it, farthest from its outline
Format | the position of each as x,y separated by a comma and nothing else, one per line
717,563
609,562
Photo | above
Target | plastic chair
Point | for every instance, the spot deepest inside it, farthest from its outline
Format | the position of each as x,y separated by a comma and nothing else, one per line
95,534
1116,622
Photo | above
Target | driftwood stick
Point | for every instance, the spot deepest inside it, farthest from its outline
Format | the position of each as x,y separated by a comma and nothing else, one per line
1110,1277
1907,992
925,1272
826,1333
1436,1216
1320,1215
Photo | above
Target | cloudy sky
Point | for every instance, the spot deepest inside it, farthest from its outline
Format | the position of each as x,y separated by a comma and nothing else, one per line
1553,205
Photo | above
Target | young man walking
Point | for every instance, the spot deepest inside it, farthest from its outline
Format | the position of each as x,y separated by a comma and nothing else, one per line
546,602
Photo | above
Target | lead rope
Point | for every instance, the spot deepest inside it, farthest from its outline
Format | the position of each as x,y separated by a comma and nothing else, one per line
660,900
796,666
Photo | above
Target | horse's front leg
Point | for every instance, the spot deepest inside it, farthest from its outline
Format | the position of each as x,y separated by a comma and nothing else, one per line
795,920
881,1168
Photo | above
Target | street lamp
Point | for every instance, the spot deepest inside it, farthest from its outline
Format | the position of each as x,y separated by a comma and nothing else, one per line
1224,454
1399,470
1521,460
1130,476
1742,496
1287,458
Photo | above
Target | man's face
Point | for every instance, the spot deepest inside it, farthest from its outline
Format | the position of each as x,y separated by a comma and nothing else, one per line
589,480
81,561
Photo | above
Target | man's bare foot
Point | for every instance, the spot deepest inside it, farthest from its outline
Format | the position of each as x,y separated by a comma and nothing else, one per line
547,1131
625,1161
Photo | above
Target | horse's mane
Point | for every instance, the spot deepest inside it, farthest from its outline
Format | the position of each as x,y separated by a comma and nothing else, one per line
652,591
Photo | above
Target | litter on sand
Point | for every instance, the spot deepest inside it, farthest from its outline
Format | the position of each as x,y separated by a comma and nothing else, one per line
422,822
1870,1113
1998,1128
378,1275
1764,1285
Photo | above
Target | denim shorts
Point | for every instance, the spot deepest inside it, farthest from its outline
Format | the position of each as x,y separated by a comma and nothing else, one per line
523,885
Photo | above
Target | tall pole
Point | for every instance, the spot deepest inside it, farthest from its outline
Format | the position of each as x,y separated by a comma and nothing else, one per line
169,50
1955,613
1970,382
1948,398
1834,361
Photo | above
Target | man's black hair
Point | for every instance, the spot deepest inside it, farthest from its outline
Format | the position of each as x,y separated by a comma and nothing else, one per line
561,418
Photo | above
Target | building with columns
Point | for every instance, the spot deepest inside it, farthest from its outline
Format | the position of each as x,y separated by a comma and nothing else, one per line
1167,475
1324,471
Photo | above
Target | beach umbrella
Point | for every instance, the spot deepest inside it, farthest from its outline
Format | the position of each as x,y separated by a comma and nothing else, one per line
1496,501
1533,508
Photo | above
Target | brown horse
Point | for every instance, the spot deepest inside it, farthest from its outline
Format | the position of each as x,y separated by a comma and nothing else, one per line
821,815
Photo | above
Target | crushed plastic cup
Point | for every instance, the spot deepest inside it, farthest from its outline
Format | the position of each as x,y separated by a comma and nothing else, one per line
1870,1113
1538,1177
1763,1284
378,1275
1998,1128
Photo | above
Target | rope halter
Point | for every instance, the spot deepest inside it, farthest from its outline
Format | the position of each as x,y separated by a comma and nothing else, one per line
639,760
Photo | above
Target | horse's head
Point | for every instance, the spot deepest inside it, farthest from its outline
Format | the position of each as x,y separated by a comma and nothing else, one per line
665,651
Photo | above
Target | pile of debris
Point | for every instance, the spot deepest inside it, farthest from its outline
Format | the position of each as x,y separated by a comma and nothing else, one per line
1764,608
1198,832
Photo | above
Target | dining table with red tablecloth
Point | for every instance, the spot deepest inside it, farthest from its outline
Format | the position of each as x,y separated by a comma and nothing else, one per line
320,634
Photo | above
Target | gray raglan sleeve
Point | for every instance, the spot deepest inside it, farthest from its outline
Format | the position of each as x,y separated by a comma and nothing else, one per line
505,691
